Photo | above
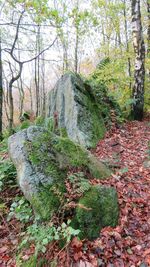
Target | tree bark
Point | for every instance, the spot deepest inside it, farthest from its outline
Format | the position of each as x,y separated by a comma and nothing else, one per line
139,69
76,38
1,91
127,43
10,96
148,34
148,30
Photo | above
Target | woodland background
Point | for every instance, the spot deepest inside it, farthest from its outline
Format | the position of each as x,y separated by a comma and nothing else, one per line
41,40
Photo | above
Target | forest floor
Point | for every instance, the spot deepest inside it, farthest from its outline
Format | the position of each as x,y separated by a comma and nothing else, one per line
127,149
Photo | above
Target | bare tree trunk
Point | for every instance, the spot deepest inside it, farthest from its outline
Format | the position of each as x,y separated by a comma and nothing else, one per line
139,72
5,106
36,88
76,51
76,38
21,90
43,96
1,92
11,108
104,38
148,30
127,43
10,96
65,56
148,34
37,74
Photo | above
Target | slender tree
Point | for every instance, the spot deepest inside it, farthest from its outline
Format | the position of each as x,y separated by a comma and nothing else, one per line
148,33
148,30
139,67
127,41
14,76
1,91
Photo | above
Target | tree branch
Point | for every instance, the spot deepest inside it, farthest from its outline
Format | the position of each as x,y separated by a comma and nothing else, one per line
17,32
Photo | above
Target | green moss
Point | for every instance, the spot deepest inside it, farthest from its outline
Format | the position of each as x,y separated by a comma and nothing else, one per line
25,124
98,126
63,132
97,209
104,102
40,121
97,169
90,120
47,201
57,153
73,153
34,262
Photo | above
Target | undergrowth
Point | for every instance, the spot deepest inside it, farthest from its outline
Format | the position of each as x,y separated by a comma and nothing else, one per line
7,168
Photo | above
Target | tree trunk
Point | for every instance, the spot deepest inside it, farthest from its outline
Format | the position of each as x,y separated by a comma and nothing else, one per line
139,69
37,73
76,51
148,34
1,91
10,96
127,43
148,30
76,38
21,90
11,107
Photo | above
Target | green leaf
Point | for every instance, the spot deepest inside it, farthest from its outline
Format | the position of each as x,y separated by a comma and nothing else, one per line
45,241
63,225
43,249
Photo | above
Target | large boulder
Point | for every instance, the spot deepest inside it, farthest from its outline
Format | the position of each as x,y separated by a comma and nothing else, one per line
77,110
42,160
96,209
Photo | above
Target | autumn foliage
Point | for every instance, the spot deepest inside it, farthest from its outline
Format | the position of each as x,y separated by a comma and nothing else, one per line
126,150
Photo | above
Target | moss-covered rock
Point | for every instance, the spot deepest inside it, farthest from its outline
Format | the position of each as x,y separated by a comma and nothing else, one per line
97,168
46,202
96,209
77,110
43,160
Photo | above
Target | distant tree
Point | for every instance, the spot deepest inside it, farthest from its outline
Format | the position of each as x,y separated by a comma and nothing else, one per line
127,41
148,32
139,66
14,76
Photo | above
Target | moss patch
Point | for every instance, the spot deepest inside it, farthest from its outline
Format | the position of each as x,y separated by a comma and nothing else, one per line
73,153
97,169
47,201
57,153
97,209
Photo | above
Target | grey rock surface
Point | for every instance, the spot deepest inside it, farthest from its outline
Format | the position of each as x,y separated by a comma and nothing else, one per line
29,177
77,110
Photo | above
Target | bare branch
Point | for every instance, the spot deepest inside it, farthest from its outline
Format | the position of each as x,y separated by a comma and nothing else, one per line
17,32
47,48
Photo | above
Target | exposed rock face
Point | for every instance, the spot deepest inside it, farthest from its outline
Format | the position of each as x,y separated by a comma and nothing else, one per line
42,160
77,110
29,177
